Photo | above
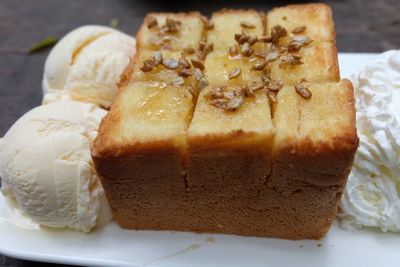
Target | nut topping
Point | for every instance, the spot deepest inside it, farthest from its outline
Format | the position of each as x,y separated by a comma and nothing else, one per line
197,63
170,63
274,85
260,65
234,73
243,38
272,55
171,25
178,81
277,32
245,48
303,91
229,100
254,86
189,50
148,65
297,42
204,50
184,63
185,73
151,22
290,60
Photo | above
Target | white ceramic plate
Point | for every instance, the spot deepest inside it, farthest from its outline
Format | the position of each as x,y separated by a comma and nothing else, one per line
113,246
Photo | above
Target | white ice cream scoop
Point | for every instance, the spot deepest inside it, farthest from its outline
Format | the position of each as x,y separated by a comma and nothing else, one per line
86,64
46,167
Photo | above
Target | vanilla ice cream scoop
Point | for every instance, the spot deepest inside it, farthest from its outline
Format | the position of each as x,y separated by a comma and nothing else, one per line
85,65
46,167
371,197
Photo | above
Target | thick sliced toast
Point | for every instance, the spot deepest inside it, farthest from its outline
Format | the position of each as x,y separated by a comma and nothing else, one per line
236,145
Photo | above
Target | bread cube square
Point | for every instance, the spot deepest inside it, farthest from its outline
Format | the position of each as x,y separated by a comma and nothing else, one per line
188,33
317,19
319,65
219,65
227,23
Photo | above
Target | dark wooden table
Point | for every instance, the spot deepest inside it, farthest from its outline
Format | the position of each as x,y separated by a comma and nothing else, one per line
362,26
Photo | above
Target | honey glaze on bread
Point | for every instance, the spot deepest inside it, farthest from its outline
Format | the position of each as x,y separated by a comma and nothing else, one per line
236,125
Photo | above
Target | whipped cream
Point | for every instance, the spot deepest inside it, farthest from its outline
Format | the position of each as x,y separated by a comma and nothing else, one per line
372,194
47,169
86,64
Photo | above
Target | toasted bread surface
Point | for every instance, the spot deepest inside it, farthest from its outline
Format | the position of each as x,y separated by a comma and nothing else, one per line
189,33
317,19
227,23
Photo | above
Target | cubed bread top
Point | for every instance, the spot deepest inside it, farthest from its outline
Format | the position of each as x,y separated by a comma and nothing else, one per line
252,117
317,19
170,31
326,119
145,114
227,23
318,63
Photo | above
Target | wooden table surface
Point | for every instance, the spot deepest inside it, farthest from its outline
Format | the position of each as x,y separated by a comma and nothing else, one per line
362,26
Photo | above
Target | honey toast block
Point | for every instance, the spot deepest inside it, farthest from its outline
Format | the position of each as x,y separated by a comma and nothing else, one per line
314,147
170,31
228,150
261,147
307,46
